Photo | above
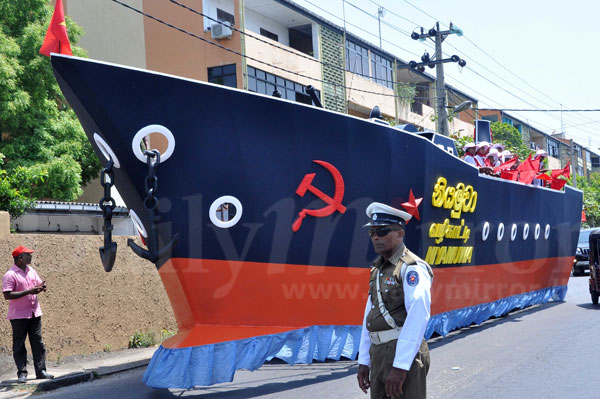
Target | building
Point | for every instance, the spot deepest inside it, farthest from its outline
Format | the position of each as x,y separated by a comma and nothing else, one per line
583,160
264,46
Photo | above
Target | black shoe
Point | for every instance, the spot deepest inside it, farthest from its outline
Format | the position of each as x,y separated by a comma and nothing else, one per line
44,376
22,379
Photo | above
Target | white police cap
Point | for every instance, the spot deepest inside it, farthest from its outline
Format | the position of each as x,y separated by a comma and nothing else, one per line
383,215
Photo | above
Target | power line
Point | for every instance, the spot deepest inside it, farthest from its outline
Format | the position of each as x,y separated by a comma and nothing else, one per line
252,58
546,110
480,49
361,29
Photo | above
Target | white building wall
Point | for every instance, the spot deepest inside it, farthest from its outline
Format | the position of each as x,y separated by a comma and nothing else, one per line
209,7
254,21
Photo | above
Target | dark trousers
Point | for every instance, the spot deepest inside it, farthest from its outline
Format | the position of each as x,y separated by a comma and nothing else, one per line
382,359
32,327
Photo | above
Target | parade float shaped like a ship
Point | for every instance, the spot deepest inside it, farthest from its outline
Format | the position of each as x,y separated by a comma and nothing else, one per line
285,274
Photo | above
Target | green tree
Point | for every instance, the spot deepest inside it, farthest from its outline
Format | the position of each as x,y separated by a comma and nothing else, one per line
591,198
41,134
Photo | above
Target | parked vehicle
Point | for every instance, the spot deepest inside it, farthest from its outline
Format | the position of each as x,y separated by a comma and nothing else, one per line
594,245
582,255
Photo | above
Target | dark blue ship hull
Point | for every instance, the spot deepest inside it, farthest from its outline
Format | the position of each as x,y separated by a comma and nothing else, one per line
233,283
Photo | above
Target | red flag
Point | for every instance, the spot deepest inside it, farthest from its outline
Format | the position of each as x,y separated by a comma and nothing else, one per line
509,174
543,176
557,184
528,169
506,165
566,171
56,40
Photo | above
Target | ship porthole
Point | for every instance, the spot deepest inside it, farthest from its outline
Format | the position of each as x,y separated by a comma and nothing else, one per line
139,226
547,232
526,231
486,231
136,143
500,233
225,211
513,232
537,230
106,150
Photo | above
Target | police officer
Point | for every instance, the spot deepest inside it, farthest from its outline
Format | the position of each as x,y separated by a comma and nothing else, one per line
393,356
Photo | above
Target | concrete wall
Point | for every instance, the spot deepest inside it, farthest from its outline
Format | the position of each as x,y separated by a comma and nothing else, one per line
86,308
254,21
292,61
386,103
113,33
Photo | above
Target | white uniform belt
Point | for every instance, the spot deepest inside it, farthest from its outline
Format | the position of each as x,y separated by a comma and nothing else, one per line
381,337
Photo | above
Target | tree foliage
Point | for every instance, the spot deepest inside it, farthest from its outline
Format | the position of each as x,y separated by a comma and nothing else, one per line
41,134
591,198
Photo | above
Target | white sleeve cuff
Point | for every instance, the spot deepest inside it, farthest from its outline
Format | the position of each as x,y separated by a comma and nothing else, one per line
364,357
405,354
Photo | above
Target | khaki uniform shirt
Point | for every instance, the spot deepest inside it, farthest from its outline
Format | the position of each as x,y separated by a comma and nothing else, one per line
405,284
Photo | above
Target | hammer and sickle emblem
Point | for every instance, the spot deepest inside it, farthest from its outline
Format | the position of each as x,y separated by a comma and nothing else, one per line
333,204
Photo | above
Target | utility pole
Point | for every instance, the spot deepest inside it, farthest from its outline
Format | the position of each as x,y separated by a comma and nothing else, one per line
440,94
438,36
571,152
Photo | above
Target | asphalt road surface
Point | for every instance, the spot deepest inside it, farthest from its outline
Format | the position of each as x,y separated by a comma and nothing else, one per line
548,352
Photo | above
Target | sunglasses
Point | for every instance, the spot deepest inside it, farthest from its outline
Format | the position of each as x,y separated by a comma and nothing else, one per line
382,232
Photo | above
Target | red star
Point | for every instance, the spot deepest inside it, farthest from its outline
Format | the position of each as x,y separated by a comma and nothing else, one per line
412,206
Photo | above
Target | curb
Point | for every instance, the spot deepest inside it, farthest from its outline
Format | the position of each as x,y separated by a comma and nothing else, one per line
69,379
83,376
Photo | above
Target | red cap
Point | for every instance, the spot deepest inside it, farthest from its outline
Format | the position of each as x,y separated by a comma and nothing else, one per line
21,250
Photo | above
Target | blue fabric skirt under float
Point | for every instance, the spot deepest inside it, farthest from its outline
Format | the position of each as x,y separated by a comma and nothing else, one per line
215,363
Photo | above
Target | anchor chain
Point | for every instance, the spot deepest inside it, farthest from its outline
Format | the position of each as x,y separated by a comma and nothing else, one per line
108,252
153,253
151,181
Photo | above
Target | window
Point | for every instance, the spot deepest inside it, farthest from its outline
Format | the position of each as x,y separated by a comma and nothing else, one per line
268,34
491,118
224,16
580,171
223,75
381,70
357,59
507,120
579,154
266,83
421,97
553,149
301,38
588,160
519,127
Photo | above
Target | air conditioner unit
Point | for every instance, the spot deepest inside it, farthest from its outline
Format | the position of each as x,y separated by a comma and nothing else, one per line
220,31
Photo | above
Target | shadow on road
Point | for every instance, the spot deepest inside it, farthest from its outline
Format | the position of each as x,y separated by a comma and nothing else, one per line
590,306
309,377
513,317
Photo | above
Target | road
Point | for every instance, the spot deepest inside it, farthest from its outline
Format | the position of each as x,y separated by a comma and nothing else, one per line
547,352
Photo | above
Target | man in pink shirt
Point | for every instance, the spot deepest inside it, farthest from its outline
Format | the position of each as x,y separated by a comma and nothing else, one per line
20,286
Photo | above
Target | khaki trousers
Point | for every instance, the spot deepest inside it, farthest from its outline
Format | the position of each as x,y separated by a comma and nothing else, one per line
382,359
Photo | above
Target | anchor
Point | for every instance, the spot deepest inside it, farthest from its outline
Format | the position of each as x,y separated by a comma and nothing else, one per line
333,204
153,253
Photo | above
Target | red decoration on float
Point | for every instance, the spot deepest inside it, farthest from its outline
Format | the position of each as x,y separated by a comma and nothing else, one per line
412,206
333,204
